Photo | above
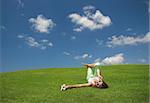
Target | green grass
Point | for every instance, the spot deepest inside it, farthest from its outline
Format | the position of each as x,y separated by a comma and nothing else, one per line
127,84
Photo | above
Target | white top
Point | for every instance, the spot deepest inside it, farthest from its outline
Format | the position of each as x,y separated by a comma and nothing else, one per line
91,80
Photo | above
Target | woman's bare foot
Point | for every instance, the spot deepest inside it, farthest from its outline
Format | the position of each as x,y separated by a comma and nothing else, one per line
89,65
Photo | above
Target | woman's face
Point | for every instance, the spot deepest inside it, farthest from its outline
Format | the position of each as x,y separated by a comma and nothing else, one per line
98,84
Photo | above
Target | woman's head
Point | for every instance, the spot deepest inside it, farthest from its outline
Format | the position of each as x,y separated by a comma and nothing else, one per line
98,84
103,85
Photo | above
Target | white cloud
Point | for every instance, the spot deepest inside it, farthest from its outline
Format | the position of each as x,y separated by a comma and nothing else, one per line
77,57
78,29
50,44
2,27
142,60
32,42
91,20
44,40
20,3
73,37
99,42
66,53
35,43
89,10
20,36
83,56
128,29
98,60
42,24
88,7
128,40
116,59
42,44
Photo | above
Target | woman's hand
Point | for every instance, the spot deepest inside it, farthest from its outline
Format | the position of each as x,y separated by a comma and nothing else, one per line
100,78
94,82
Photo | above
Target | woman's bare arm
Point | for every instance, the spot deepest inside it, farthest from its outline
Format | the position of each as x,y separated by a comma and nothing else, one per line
99,74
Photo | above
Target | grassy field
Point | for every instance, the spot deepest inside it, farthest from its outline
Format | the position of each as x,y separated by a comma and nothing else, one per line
127,84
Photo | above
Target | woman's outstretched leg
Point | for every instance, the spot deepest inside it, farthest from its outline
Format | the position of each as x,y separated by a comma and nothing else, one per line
65,87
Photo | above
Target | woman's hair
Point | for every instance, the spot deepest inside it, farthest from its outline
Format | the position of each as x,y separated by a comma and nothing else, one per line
103,85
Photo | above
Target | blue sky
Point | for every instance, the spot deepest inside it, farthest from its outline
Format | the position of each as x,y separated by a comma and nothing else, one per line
65,33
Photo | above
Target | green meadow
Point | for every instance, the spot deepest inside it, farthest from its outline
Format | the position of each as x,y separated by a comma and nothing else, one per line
127,84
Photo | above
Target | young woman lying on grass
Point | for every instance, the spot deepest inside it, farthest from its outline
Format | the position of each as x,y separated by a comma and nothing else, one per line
94,78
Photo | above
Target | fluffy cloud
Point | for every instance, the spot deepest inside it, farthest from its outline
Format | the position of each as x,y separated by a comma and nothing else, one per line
128,40
66,53
42,24
20,3
78,29
83,56
2,27
34,43
98,60
89,10
117,59
128,29
73,37
92,19
99,42
142,60
20,36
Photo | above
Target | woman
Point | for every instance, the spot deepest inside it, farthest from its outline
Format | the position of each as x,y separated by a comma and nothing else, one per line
94,78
